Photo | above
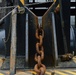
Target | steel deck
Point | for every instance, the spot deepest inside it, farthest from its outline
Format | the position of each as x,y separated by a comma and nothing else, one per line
48,72
57,70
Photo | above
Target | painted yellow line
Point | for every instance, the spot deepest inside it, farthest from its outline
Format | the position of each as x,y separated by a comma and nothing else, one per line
60,73
33,72
54,0
69,71
1,74
18,6
49,73
22,1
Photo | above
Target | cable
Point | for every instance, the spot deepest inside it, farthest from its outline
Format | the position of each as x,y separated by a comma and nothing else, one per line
35,3
7,15
9,26
7,7
8,35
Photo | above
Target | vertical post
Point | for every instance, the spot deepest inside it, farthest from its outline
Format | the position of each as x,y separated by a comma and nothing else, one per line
13,43
26,42
75,16
55,41
75,30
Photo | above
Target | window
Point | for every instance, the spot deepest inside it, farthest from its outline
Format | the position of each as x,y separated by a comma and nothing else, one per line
72,20
30,0
0,1
72,17
72,0
40,0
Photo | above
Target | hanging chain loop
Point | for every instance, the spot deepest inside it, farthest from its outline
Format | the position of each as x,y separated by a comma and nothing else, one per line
39,56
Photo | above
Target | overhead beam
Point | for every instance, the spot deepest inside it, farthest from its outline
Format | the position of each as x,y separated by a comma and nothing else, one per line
45,4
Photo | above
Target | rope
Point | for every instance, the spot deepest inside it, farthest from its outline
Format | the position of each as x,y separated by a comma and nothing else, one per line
36,3
9,25
7,7
8,35
7,15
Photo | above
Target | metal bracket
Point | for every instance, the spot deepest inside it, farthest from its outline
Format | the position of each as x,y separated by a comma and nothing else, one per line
21,10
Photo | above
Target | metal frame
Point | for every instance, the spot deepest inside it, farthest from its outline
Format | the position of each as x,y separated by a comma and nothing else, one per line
34,22
55,40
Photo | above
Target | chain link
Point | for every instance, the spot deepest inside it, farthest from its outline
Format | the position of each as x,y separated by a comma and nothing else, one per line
39,56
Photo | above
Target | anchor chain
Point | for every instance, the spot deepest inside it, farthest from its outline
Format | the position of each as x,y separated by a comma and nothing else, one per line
39,56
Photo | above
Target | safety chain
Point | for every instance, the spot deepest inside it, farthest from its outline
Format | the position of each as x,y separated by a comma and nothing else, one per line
39,56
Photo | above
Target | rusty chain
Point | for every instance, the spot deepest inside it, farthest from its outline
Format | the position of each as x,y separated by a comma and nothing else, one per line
39,56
